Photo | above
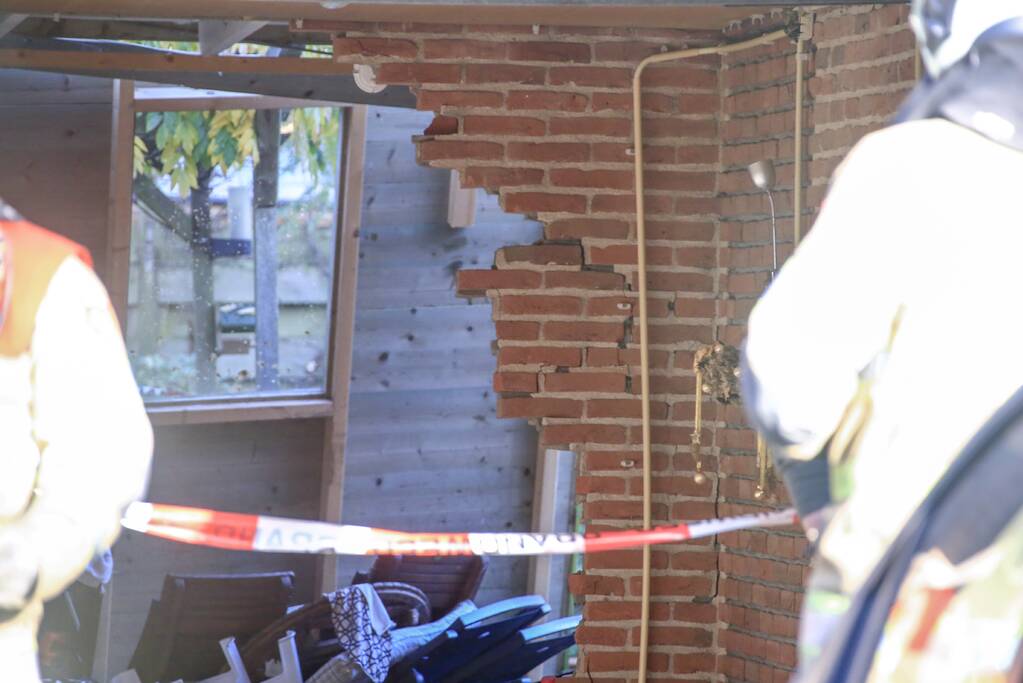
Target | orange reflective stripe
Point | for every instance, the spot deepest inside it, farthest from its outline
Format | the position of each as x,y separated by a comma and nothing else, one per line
33,256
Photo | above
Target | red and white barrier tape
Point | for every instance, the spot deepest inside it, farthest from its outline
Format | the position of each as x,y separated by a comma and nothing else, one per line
235,531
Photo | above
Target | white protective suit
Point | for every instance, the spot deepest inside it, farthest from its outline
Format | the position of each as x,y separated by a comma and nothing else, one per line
924,217
75,441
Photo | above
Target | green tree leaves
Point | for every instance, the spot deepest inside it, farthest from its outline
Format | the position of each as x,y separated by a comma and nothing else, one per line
185,146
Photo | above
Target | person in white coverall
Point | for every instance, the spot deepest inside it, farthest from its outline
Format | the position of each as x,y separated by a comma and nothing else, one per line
75,441
896,321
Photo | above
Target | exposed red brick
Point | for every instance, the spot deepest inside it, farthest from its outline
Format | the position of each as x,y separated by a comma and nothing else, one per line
517,330
540,305
583,331
584,382
626,51
565,434
460,48
684,76
696,257
541,255
692,585
432,150
685,636
549,52
624,307
574,228
617,509
628,254
546,99
434,100
476,282
505,73
624,407
503,125
627,559
680,128
442,125
612,461
666,281
539,355
533,202
584,280
538,407
408,74
592,76
626,203
614,486
592,125
680,230
680,181
580,584
574,177
600,661
622,610
496,177
594,635
548,151
515,382
622,101
622,152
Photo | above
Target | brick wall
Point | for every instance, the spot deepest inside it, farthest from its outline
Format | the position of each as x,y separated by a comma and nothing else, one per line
760,572
860,66
543,117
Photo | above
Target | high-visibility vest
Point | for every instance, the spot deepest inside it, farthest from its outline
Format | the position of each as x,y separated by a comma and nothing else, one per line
29,257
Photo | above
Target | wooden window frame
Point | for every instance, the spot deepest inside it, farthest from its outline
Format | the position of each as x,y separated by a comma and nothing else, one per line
129,100
332,405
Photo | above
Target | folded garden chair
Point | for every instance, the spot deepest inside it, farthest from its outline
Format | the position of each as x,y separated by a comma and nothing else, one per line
182,631
478,632
446,581
516,656
314,628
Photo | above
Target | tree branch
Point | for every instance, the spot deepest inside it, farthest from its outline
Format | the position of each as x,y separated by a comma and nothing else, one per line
169,213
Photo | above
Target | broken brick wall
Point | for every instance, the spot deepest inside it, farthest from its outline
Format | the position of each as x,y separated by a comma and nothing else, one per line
542,116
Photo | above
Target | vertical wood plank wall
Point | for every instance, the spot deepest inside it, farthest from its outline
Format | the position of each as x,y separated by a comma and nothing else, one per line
55,153
425,449
269,468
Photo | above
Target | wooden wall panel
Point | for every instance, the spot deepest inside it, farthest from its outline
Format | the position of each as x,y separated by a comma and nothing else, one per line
269,468
425,448
55,139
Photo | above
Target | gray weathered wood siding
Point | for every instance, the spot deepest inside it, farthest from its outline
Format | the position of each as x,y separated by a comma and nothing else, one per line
425,449
55,152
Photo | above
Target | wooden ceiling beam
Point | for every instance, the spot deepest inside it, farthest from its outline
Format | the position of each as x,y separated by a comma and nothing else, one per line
74,61
711,14
288,77
277,35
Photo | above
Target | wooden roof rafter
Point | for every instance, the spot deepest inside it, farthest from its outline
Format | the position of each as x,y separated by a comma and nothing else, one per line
642,13
296,78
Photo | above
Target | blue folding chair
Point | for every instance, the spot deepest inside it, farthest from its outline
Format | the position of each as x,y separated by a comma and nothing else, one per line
516,656
477,633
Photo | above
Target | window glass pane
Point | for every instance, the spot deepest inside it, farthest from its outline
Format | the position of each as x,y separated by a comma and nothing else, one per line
232,252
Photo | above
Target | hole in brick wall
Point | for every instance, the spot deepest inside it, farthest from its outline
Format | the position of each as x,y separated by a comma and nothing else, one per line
422,417
442,125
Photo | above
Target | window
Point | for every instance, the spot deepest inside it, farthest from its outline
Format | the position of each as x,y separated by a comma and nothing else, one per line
232,252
